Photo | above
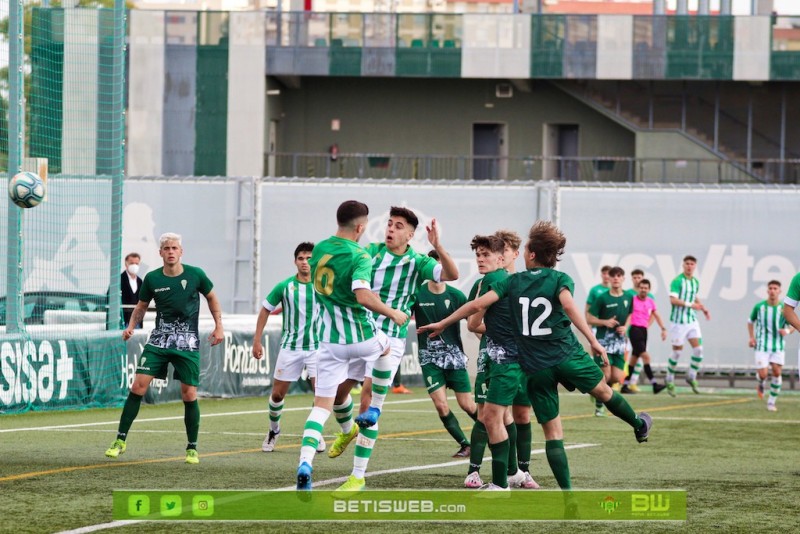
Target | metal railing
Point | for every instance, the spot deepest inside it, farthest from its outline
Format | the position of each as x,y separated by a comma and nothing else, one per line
530,168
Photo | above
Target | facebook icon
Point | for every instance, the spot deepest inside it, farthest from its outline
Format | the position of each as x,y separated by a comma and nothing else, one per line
138,505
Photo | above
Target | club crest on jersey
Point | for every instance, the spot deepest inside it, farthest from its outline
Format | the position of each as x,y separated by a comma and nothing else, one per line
183,284
446,303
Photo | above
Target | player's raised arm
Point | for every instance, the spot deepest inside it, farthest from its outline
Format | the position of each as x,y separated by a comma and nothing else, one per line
449,268
467,309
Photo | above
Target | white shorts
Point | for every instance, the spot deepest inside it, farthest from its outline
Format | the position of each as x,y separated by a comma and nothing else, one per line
334,359
764,358
397,349
679,333
290,364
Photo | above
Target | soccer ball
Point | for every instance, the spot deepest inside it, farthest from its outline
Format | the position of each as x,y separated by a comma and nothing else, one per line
26,190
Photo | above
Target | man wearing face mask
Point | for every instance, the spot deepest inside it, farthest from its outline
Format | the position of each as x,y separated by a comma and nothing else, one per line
130,285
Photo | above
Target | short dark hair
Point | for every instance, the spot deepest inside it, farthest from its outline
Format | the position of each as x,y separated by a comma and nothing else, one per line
605,268
407,214
510,238
132,255
349,210
645,281
433,254
305,246
637,271
773,283
616,271
689,257
547,242
489,242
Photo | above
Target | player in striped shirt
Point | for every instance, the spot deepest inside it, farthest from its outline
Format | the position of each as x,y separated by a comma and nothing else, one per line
767,327
683,327
299,342
398,271
341,273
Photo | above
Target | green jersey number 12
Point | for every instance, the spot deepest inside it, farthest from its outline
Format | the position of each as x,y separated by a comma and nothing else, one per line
535,329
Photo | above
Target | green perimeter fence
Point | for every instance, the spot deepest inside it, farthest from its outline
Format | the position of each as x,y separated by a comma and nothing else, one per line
61,115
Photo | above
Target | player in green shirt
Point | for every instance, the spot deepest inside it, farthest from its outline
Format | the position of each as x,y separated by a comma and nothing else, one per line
683,296
767,328
341,272
543,311
608,313
520,451
299,341
443,361
176,288
397,273
599,289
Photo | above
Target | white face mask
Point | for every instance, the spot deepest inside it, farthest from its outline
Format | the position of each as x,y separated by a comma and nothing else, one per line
133,268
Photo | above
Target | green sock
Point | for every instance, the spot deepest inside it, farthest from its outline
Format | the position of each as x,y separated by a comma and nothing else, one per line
557,458
511,463
598,405
620,407
479,439
524,437
191,417
450,423
473,415
500,463
129,413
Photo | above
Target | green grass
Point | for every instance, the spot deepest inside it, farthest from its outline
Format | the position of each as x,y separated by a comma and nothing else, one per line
737,461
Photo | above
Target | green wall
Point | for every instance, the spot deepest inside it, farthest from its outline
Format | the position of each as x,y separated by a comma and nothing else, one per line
434,116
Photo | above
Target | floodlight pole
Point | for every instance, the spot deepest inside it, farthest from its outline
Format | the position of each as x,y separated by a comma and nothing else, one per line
16,142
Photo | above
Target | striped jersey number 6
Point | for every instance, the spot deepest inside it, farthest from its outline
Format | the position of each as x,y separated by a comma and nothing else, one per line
323,278
535,329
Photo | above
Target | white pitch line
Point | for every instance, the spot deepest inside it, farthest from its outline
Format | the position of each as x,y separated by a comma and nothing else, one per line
730,420
115,524
180,417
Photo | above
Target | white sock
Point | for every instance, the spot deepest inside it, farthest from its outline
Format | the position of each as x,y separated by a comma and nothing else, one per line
312,433
275,410
381,380
344,414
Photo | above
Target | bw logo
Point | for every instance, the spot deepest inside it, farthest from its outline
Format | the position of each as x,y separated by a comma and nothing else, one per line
654,502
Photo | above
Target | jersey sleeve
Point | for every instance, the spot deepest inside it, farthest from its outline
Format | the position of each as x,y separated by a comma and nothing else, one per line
362,271
675,287
146,291
204,284
500,287
754,314
793,294
273,300
429,269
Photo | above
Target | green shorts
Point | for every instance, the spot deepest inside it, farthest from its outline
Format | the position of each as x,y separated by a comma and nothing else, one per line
579,372
615,360
506,385
480,388
186,364
436,377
